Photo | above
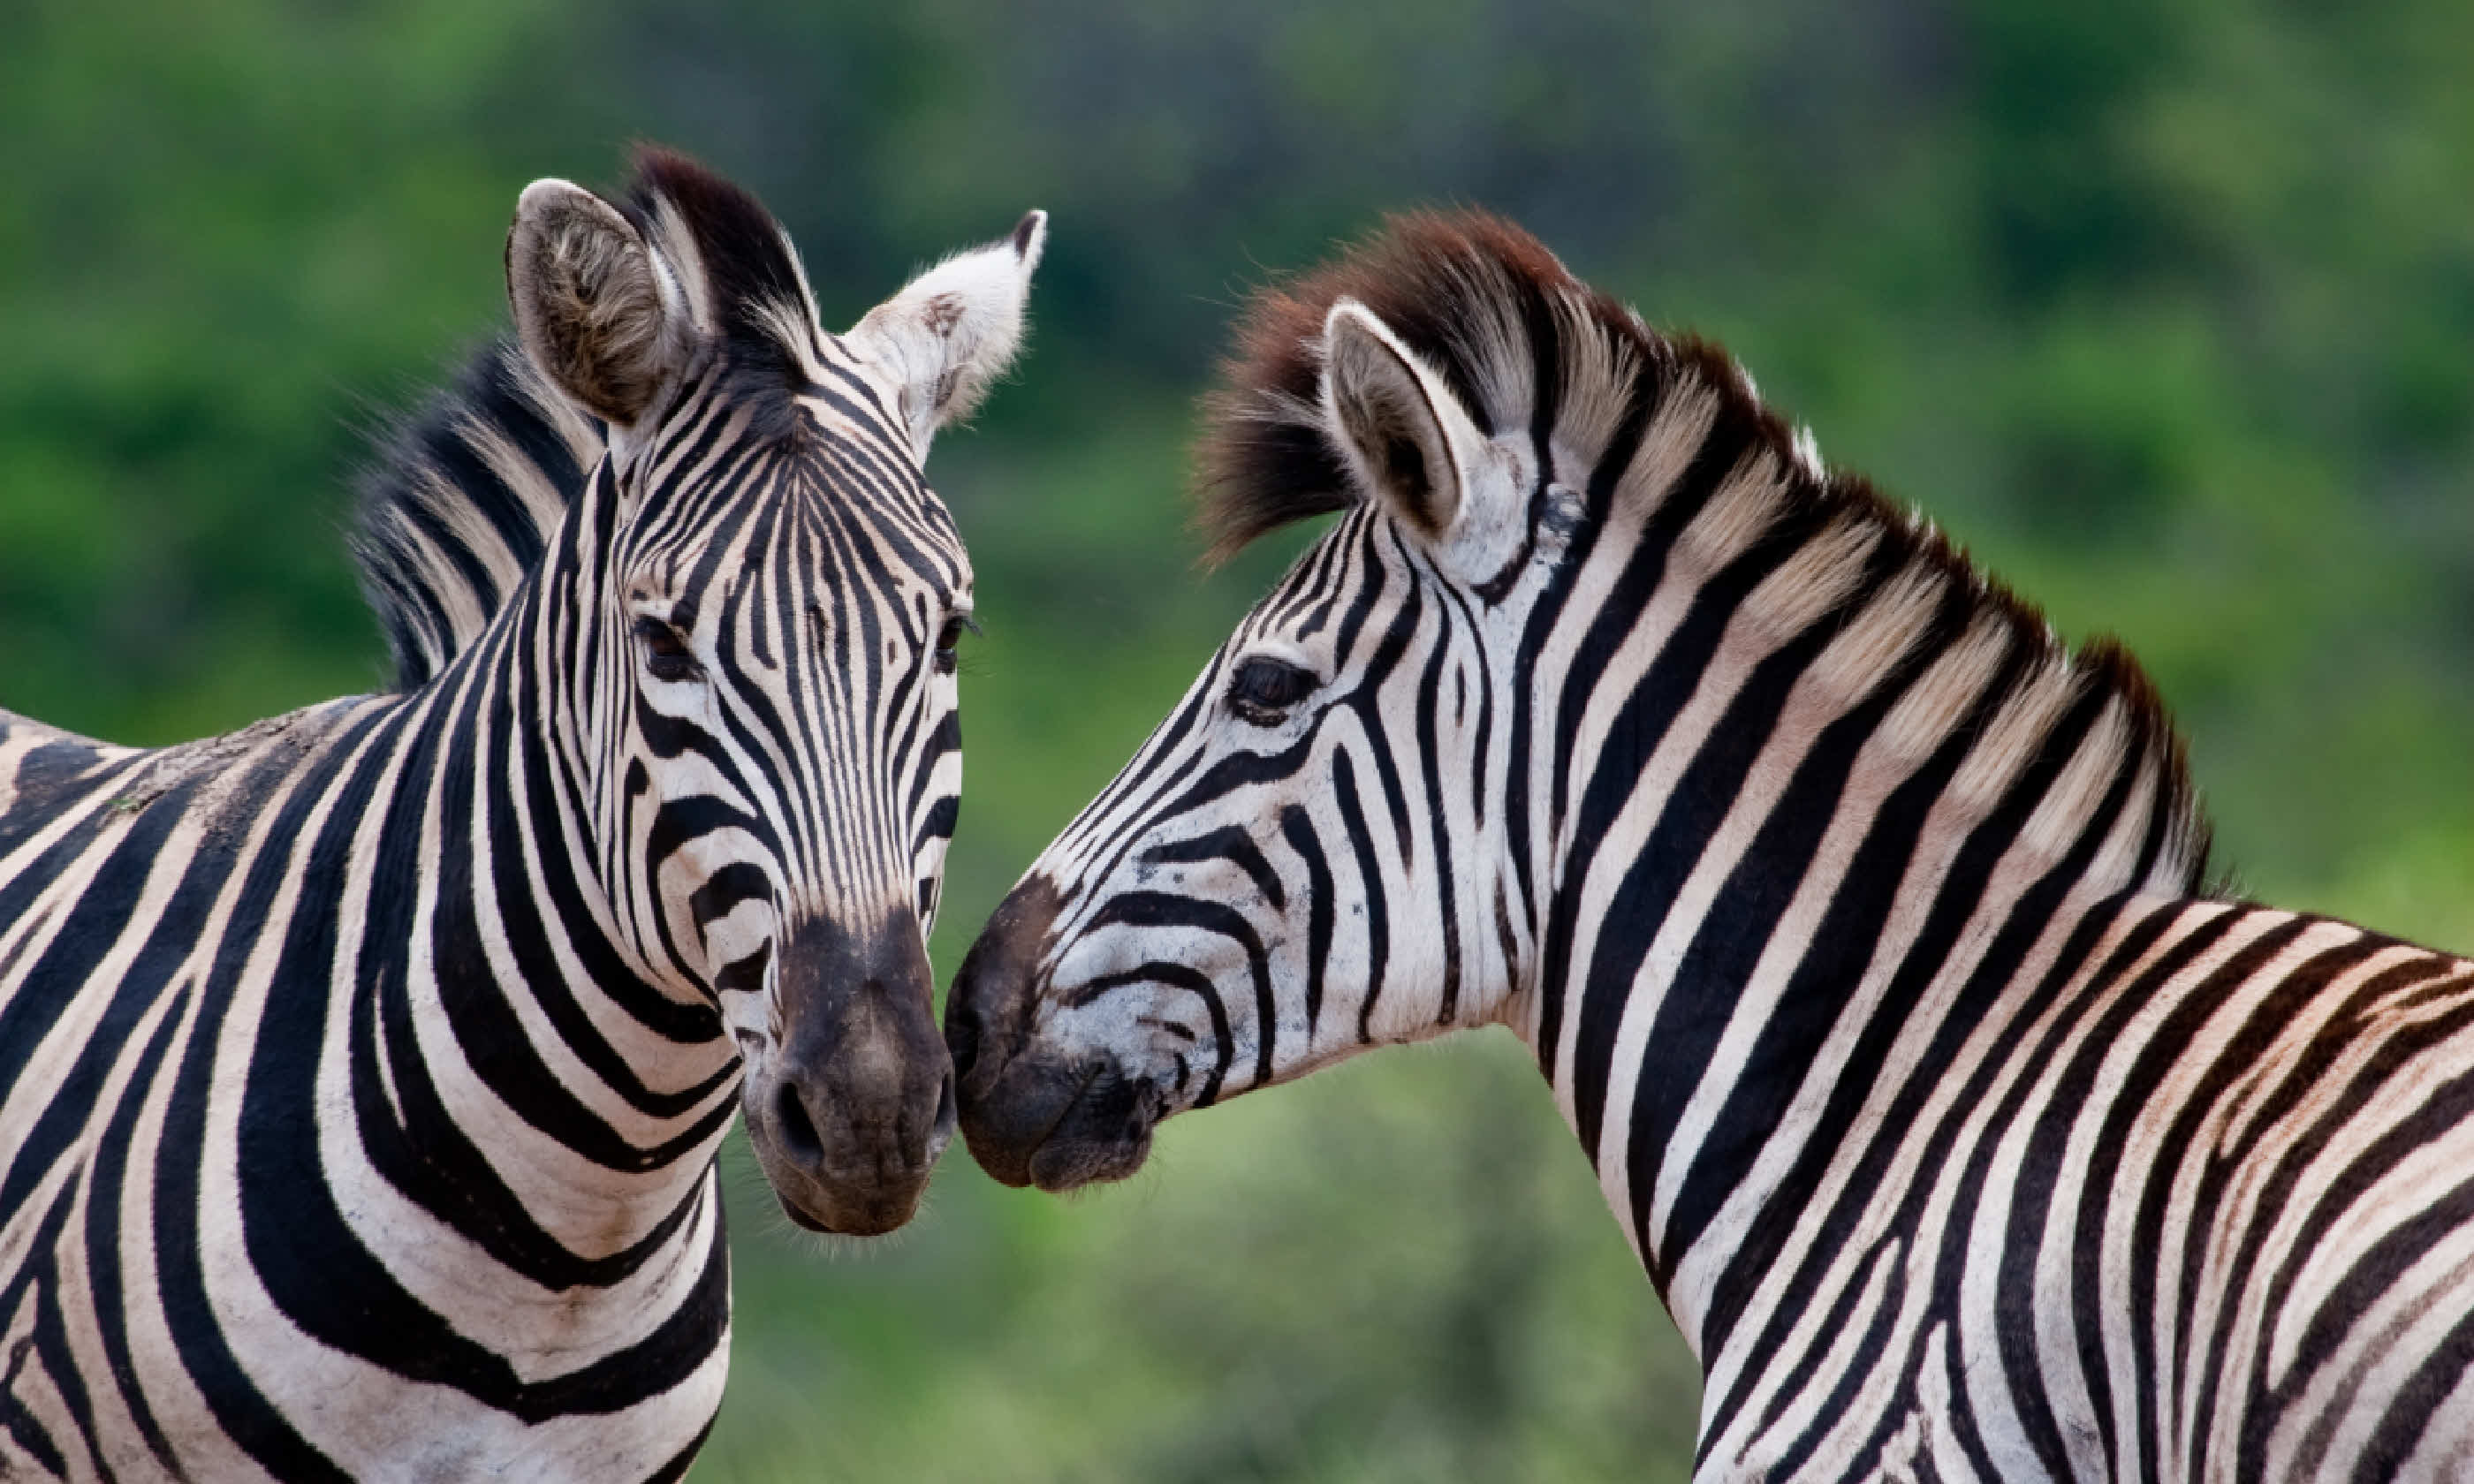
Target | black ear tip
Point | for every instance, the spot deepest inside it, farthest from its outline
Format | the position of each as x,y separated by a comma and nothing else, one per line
1028,232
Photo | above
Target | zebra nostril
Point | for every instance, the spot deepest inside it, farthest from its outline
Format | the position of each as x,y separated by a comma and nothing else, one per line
796,1130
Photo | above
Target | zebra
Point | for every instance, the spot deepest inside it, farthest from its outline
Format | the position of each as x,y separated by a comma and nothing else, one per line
1864,932
362,1071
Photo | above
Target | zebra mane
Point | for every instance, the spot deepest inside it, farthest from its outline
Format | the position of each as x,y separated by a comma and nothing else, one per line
460,501
461,497
743,278
1525,343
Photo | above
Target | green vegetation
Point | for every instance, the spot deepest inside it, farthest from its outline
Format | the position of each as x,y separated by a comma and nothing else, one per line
2167,311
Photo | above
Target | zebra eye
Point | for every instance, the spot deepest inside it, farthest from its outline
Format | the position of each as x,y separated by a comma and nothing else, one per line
1265,688
666,652
950,636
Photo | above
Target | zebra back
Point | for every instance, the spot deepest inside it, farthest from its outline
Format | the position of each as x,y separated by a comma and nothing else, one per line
459,503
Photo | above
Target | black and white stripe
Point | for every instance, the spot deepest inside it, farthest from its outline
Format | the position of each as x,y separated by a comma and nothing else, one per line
462,500
1862,930
361,1071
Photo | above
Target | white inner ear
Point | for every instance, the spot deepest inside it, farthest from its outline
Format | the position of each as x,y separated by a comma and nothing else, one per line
953,330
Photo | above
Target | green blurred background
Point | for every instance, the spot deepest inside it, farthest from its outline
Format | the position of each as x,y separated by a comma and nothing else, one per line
2167,312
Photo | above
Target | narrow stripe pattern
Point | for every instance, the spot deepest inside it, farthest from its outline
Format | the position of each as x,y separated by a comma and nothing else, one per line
1862,930
362,1071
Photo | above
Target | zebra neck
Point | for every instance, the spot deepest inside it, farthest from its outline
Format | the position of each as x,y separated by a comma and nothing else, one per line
550,1029
1789,832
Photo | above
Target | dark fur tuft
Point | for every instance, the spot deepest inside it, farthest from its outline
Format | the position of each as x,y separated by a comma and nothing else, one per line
752,278
1265,462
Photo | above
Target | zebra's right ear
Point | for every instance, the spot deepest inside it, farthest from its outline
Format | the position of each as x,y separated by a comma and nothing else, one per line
596,308
1406,440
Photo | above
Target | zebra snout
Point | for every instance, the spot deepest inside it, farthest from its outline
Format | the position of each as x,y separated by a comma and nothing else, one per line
988,1015
851,1111
1035,1113
987,1019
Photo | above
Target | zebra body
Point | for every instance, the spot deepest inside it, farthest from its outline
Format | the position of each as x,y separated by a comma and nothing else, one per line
362,1071
226,1214
1861,931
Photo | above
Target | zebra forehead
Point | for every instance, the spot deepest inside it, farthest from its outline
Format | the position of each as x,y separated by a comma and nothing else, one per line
822,549
780,477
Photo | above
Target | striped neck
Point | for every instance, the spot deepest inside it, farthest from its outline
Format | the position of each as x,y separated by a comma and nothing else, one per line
1796,763
629,1086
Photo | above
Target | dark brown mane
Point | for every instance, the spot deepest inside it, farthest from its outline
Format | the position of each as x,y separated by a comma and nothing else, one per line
1488,308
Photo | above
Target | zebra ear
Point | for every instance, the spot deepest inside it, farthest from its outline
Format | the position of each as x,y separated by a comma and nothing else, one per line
952,331
595,307
1402,433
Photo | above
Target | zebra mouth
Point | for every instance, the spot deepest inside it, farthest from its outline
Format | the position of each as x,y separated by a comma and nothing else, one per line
846,1211
1102,1133
801,1219
1059,1125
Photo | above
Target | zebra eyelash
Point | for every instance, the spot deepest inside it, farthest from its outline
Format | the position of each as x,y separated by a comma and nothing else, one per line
668,654
1263,687
949,660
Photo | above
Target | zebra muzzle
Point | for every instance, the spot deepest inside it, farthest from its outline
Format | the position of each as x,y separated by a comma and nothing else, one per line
1061,1125
850,1106
1036,1115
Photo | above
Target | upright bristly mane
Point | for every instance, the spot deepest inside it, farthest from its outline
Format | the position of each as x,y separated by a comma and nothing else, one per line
459,503
743,278
461,497
1530,349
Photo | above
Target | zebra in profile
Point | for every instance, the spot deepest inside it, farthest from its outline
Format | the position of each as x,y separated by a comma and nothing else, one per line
1863,932
362,1071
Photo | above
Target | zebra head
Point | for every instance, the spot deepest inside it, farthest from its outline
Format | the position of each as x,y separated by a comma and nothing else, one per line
754,686
1304,860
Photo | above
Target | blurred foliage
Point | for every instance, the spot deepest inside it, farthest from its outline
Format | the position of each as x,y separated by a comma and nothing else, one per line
2168,311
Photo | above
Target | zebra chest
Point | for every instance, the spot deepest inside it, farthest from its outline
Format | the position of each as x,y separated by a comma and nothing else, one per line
251,1233
105,1377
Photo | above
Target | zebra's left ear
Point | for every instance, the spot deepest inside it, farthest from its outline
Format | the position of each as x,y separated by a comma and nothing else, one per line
953,330
1409,444
597,309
